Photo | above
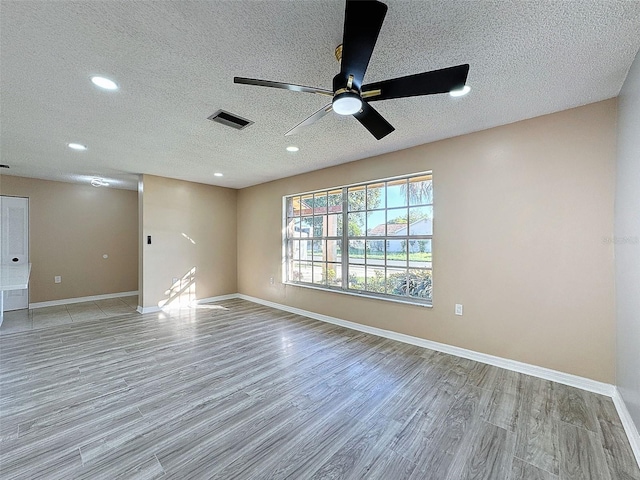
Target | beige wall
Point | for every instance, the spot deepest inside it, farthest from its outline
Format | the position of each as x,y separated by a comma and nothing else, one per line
521,212
192,226
70,227
627,243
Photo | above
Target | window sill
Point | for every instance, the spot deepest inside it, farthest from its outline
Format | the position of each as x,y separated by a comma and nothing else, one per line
360,295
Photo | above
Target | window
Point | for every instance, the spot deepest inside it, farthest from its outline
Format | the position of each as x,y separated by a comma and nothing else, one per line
371,238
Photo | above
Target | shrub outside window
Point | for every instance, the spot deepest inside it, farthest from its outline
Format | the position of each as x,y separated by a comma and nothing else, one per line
372,238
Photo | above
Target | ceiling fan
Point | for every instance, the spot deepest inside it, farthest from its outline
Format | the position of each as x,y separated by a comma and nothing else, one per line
362,24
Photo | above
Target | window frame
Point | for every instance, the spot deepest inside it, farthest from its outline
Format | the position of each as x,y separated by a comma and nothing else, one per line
289,258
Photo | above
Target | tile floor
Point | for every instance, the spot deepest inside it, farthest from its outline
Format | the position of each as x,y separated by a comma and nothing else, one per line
23,320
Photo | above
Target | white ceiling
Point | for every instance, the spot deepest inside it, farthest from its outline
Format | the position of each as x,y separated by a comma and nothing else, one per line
175,62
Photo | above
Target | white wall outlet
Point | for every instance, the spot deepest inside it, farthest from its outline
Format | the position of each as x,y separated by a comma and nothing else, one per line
458,309
272,280
57,279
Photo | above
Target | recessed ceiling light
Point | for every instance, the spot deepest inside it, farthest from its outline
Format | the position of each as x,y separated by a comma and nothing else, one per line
77,146
104,83
460,92
217,174
292,148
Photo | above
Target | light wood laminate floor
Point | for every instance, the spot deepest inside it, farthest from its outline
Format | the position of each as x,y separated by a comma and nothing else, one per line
236,390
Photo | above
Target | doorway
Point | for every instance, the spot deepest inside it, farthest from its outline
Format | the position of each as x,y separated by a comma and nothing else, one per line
14,245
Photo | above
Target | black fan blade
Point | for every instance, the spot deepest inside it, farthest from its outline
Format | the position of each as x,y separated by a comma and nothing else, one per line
437,81
373,121
362,24
285,86
312,119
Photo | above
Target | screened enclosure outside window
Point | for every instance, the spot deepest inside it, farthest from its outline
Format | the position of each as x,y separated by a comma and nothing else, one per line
372,238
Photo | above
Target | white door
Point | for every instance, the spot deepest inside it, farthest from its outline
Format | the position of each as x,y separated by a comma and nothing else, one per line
14,244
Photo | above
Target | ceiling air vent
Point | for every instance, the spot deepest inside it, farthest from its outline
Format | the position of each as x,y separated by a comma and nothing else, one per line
230,120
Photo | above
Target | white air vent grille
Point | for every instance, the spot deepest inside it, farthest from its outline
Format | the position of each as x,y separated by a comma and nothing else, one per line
230,120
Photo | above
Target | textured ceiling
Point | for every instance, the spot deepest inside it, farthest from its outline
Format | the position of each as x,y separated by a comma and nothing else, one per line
175,62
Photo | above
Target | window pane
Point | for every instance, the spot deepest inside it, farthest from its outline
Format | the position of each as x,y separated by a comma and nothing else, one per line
420,253
293,228
421,221
375,196
356,277
335,201
396,281
305,272
356,251
420,284
396,193
334,250
334,225
396,255
306,227
320,203
293,273
294,249
306,205
420,190
334,274
356,224
289,207
397,222
319,273
375,252
318,250
319,226
375,281
297,206
305,249
375,223
356,196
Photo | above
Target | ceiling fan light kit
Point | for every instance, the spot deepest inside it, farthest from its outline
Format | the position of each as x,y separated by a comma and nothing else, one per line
362,23
347,103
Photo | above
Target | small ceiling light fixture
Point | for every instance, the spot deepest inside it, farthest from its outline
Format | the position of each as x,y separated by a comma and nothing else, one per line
99,182
347,103
292,148
76,146
104,83
460,92
217,174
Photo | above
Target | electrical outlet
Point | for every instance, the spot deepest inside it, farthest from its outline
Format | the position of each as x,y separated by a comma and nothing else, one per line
458,309
174,280
272,280
57,279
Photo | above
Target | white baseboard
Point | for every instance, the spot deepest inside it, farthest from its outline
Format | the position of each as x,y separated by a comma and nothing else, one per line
67,301
628,424
219,298
526,368
140,309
